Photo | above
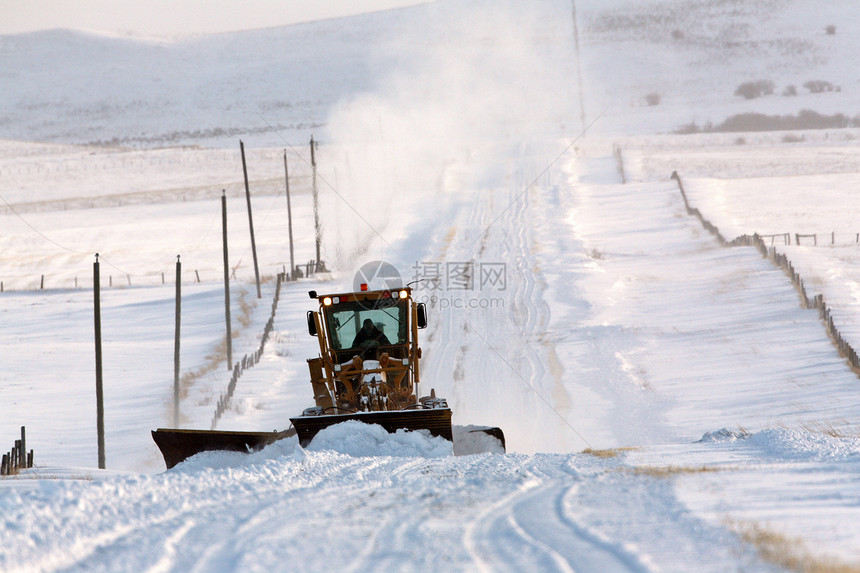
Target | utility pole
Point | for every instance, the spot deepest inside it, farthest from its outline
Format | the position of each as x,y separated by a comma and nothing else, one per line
226,280
289,217
176,343
317,232
250,219
100,408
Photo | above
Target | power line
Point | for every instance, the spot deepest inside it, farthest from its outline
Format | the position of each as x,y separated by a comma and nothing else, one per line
38,232
324,180
101,256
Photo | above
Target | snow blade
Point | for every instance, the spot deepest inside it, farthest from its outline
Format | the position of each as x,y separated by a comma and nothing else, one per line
179,445
495,432
436,420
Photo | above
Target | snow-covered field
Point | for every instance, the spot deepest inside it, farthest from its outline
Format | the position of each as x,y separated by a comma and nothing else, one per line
667,402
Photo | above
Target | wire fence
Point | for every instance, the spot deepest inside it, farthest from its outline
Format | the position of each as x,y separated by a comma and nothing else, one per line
126,280
845,349
250,360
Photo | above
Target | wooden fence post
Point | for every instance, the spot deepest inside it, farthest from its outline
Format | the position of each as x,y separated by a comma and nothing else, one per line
289,210
176,343
100,410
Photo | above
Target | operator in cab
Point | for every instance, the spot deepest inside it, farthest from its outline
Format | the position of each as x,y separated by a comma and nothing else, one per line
369,334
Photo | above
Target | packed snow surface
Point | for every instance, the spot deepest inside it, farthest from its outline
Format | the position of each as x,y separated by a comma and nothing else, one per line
668,404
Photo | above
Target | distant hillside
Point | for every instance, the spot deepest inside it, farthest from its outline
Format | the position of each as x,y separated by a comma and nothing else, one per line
70,87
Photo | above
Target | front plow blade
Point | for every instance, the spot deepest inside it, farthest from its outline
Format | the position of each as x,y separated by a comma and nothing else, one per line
179,445
492,431
437,421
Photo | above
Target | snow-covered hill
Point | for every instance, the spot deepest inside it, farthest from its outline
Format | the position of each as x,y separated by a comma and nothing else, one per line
668,404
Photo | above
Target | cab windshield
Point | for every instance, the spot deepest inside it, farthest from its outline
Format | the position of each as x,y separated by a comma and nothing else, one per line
356,329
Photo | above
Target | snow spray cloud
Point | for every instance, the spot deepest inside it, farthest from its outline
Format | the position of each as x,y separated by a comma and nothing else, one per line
463,88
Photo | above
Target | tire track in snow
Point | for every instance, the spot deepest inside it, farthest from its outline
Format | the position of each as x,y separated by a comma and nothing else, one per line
530,530
542,357
136,520
168,556
495,363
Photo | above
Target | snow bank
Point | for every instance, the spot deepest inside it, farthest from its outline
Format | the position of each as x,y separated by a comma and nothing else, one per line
351,438
355,439
723,435
789,444
358,439
804,445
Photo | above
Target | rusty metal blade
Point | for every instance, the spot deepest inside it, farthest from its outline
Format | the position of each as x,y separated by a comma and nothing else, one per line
178,445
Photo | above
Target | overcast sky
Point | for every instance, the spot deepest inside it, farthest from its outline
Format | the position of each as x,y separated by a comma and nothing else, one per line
175,17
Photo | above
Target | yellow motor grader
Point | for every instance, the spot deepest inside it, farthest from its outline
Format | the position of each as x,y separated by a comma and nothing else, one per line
367,370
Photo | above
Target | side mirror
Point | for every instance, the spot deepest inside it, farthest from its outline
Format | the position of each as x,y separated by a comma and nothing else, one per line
312,325
422,315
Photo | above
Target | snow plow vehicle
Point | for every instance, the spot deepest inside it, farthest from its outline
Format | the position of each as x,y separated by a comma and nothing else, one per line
367,370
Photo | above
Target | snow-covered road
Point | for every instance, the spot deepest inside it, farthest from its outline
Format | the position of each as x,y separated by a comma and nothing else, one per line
416,508
285,509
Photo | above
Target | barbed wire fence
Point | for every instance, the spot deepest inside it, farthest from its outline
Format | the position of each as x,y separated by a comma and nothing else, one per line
249,360
845,349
